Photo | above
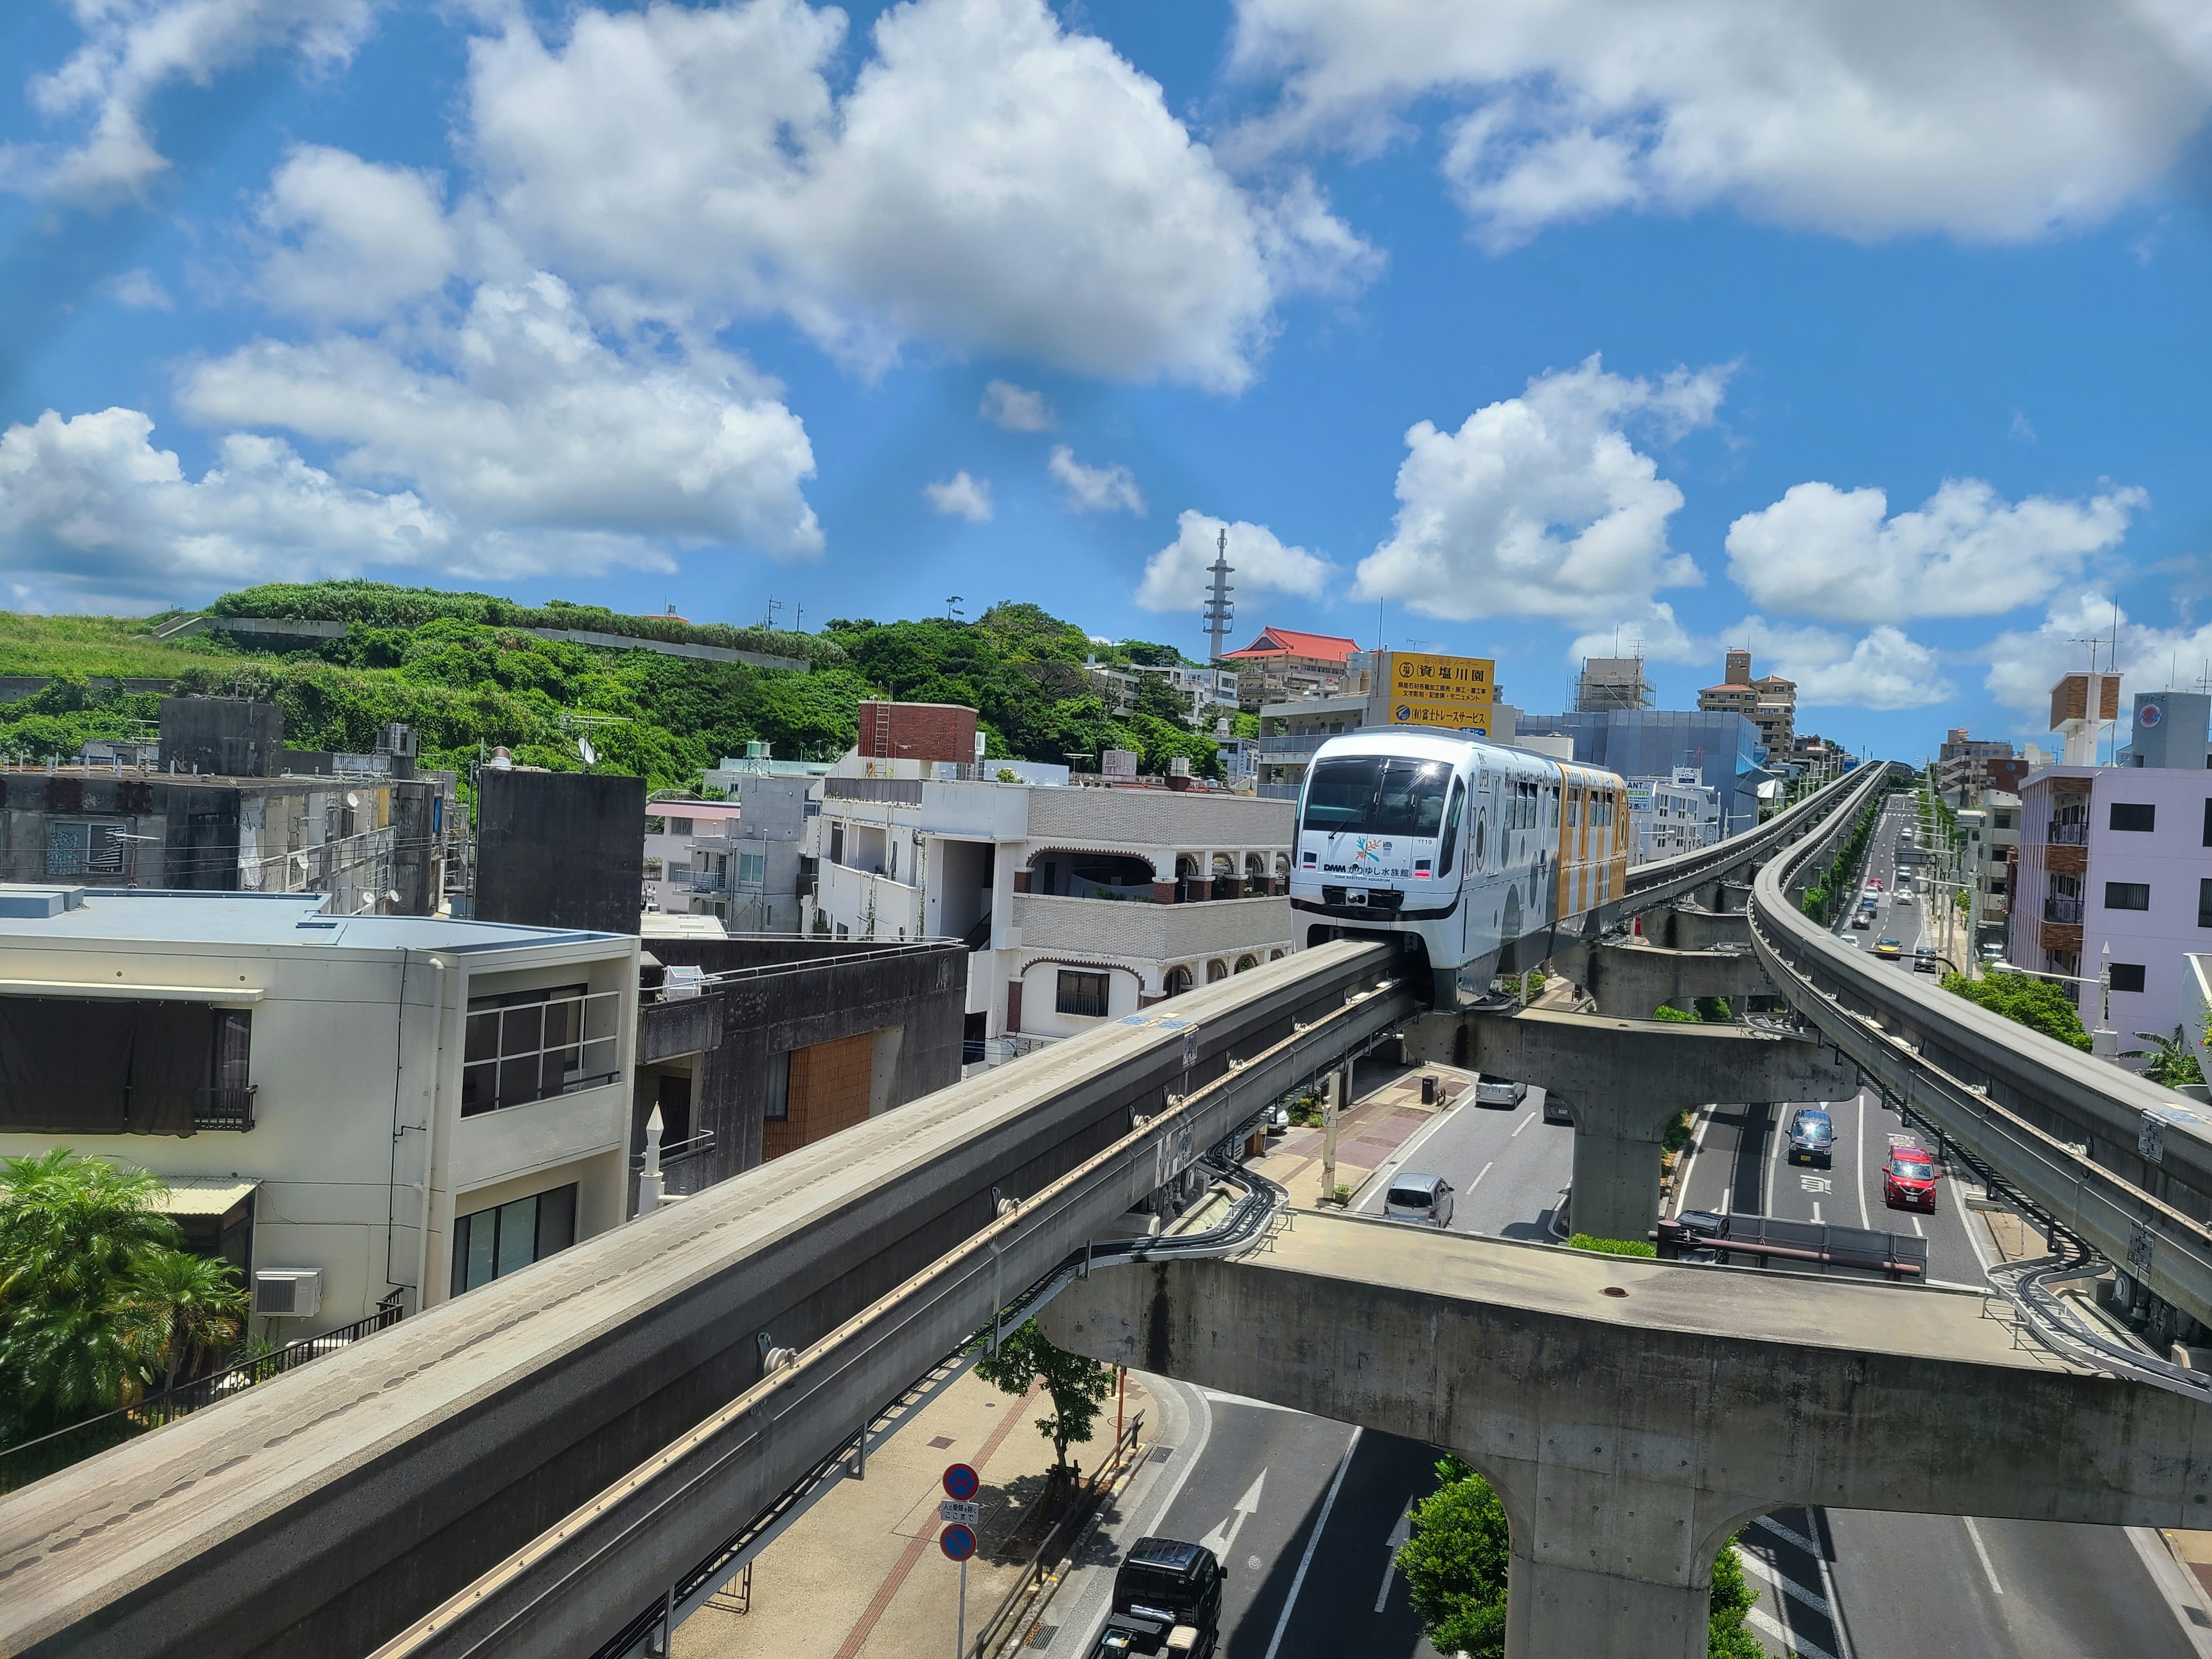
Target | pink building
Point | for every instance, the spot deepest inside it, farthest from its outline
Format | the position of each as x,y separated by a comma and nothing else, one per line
2118,858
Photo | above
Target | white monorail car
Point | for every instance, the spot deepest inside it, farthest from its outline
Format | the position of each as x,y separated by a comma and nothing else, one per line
1473,852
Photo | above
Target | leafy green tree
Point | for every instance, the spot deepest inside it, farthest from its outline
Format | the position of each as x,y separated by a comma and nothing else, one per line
1714,1011
74,1233
1667,1012
1456,1562
178,1308
2038,1003
2172,1061
1076,1387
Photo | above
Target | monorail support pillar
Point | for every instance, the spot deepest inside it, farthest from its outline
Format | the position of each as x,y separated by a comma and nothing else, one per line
1624,1079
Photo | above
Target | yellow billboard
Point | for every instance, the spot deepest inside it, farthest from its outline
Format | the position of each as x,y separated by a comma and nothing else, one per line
1454,693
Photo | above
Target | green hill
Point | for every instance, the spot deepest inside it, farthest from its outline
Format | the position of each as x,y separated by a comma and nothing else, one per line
456,668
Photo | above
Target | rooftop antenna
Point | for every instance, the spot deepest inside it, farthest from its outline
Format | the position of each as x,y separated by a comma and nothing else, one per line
1218,612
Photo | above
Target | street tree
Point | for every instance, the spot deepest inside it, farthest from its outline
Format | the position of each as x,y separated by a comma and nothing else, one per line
1076,1387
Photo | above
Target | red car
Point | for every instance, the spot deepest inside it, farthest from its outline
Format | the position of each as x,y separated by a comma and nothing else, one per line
1873,885
1908,1180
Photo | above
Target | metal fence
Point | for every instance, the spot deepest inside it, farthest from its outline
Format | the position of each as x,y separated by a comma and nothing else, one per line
34,1460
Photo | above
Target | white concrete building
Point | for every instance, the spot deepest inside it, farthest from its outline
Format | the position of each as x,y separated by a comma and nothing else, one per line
687,848
395,1105
1081,904
2115,865
1670,815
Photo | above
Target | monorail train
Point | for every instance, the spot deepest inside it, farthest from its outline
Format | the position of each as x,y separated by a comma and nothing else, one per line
1474,852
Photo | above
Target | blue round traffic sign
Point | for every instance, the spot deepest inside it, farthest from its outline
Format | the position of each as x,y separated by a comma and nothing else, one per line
958,1542
961,1481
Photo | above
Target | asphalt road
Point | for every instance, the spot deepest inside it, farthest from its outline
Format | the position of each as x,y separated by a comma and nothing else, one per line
1860,1585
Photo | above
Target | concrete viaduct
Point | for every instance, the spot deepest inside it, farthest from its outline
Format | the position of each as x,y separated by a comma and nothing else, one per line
529,1469
1634,1414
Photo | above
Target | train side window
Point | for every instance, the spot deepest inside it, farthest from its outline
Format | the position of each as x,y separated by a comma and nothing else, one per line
1451,829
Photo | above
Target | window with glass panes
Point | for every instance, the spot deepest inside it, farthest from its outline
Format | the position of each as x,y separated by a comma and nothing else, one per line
490,1243
530,1045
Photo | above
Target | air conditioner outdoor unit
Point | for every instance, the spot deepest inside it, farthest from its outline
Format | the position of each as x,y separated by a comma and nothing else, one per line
287,1292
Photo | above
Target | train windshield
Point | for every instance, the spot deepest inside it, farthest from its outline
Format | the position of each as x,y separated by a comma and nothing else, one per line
1374,795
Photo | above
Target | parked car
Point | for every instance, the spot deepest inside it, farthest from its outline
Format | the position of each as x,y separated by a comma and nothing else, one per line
1889,949
1924,959
1908,1180
1423,1198
1499,1092
1813,1139
1556,1110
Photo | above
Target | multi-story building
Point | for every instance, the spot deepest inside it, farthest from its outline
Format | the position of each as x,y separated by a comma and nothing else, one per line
2170,729
1677,813
1204,690
357,1106
1116,687
1607,683
2115,866
1078,904
1961,764
1993,853
687,846
1770,703
1283,664
1370,695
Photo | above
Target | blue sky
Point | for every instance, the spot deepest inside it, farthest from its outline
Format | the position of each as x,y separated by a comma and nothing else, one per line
1875,344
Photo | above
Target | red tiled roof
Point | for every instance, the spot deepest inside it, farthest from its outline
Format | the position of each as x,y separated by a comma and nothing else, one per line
1287,643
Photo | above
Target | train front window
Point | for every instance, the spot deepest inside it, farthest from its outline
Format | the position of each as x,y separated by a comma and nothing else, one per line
1373,795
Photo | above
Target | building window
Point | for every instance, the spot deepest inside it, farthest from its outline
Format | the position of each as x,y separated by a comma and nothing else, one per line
84,848
2127,895
2204,903
94,1067
2134,815
492,1243
532,1045
2127,976
679,826
2208,811
752,869
775,1101
1082,994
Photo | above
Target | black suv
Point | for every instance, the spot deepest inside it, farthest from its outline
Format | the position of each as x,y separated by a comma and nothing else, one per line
1164,1583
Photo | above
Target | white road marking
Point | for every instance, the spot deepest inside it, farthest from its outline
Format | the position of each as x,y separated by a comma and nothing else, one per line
1782,1582
1298,1579
1918,1228
1858,1155
1816,1213
1525,1122
1399,1534
1224,1535
1477,1181
1790,1535
1982,1550
1792,1641
1774,1159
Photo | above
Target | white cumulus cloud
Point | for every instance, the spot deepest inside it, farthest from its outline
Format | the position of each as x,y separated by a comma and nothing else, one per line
1013,409
351,239
1973,118
1965,551
135,50
961,496
1882,668
1175,578
527,424
2024,664
990,181
1110,488
1541,506
90,510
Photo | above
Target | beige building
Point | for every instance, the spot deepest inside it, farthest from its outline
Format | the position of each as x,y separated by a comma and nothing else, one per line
1769,703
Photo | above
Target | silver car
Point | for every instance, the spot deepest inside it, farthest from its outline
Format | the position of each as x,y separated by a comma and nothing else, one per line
1499,1092
1423,1198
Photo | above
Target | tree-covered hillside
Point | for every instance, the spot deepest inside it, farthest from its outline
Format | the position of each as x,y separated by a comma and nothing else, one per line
456,669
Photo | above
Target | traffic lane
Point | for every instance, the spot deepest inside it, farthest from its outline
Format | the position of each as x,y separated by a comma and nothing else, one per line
1849,1192
1253,1497
1354,1599
1506,1165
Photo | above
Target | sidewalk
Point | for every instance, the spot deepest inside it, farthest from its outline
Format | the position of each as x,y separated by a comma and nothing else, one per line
860,1576
1383,1118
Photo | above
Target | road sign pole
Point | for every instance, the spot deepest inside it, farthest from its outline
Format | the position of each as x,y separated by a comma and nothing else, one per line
960,1638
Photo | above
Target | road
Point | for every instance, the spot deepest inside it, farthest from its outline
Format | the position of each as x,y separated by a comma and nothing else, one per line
1303,1509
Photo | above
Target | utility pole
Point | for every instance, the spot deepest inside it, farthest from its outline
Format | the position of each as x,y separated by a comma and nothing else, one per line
1218,612
767,623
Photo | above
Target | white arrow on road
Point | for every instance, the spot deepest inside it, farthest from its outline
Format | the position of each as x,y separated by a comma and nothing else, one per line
1224,1535
1399,1534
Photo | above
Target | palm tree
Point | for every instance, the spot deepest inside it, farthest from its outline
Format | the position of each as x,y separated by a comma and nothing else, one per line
2172,1061
72,1233
178,1304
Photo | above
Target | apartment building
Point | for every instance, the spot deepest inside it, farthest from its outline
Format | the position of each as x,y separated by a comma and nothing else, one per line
1678,813
1770,703
1078,904
685,838
352,1107
1962,764
740,859
2115,866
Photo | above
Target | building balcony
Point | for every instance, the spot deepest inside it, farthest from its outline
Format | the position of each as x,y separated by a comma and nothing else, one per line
2068,835
224,1108
2058,907
2061,938
1150,933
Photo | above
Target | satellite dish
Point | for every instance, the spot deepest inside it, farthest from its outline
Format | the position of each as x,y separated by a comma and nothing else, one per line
352,800
591,755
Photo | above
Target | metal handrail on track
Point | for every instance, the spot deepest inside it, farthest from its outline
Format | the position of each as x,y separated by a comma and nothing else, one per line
1982,1082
